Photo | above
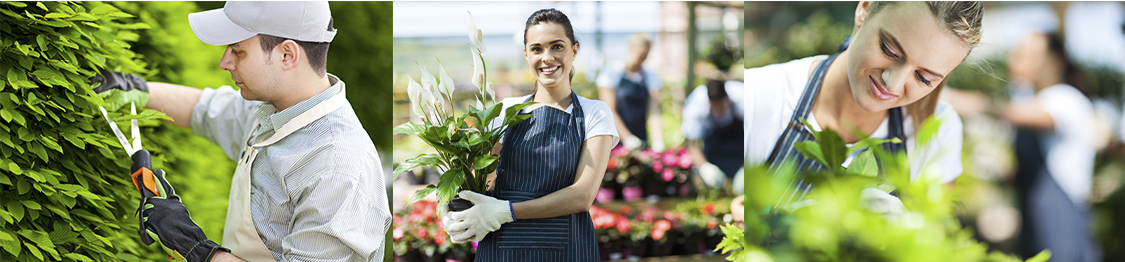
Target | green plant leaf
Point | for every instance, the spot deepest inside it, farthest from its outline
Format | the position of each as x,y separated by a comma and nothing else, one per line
31,204
1043,256
484,161
409,164
928,130
33,250
13,247
16,209
79,257
811,150
864,164
408,129
421,193
450,184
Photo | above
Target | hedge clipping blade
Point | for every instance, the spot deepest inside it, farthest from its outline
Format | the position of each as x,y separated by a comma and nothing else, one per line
130,148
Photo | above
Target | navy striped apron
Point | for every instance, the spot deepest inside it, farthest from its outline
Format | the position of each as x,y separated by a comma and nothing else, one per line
1050,220
797,132
539,157
723,144
632,105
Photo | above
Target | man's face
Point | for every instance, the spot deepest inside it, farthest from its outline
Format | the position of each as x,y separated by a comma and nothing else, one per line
251,69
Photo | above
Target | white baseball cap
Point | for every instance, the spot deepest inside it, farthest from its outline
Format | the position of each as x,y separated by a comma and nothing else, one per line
308,21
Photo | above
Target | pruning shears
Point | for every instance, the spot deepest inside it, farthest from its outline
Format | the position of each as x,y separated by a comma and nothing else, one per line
141,168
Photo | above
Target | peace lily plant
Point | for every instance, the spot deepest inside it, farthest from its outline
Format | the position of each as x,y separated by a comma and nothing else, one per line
463,143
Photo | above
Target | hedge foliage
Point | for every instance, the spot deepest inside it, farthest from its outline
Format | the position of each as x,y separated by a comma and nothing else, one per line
65,194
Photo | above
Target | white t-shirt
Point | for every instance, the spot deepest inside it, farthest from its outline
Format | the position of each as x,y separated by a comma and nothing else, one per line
1070,148
598,118
611,77
697,109
776,89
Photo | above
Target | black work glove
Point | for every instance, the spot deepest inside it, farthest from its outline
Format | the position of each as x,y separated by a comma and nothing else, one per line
117,80
164,219
119,87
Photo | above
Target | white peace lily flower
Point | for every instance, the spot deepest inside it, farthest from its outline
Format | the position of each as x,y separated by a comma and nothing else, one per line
478,69
479,104
476,36
491,92
446,85
429,84
429,108
414,91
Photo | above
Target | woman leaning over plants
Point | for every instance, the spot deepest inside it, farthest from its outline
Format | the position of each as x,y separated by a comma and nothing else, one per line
550,165
886,81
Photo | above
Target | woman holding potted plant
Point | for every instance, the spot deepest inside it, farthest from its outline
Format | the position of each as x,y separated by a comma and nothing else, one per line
551,165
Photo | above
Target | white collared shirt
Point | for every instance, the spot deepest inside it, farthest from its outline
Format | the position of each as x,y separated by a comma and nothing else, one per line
316,195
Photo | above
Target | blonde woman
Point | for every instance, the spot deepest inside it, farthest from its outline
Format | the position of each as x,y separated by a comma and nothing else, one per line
884,82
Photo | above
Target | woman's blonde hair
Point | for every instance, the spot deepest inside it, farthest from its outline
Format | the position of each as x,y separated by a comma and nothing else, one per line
964,19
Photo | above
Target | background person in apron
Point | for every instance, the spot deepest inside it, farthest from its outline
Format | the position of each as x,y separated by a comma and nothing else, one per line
883,83
632,93
713,126
712,123
1055,150
308,184
551,165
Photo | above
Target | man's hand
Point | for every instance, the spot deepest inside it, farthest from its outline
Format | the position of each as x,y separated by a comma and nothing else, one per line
126,87
119,81
164,219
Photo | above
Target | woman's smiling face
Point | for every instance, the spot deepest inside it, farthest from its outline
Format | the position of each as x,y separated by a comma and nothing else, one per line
899,55
549,53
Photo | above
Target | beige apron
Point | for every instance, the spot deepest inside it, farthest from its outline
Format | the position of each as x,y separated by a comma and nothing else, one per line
239,233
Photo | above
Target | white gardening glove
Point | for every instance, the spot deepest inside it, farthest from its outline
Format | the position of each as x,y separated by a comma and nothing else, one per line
632,142
447,222
884,203
658,146
739,181
712,175
486,215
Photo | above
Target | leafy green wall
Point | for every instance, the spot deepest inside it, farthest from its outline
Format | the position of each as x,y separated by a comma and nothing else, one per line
63,185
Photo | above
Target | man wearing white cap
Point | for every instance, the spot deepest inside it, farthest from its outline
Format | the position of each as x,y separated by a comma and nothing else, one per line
308,186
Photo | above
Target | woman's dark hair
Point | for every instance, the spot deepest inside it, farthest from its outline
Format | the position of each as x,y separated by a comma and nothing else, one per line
551,15
716,90
721,56
1071,75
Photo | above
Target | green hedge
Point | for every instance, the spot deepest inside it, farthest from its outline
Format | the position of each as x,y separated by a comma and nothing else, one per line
63,179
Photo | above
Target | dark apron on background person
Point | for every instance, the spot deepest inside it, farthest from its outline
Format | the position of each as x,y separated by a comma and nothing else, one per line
632,105
540,156
797,132
723,145
1050,219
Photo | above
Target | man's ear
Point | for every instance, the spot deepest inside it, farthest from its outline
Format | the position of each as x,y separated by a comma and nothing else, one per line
291,54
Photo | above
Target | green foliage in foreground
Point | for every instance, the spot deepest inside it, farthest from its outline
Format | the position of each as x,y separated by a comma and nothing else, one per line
734,242
833,223
63,185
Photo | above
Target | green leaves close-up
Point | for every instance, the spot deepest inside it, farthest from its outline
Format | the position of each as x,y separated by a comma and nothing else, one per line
836,220
65,193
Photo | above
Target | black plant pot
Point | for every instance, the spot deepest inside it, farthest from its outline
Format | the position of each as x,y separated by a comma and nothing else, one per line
458,204
409,256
